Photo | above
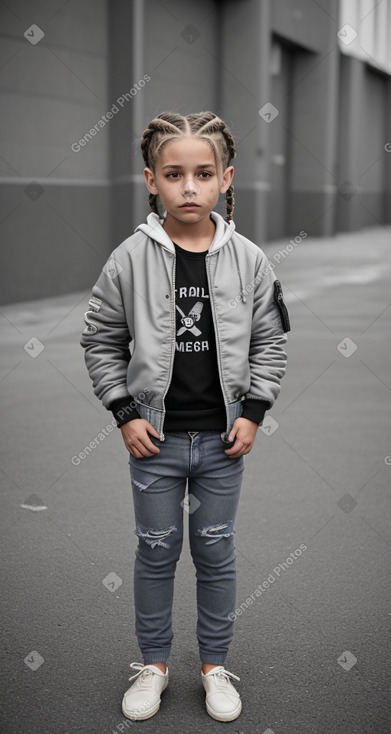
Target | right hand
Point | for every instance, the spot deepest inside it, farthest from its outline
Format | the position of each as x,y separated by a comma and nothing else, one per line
136,438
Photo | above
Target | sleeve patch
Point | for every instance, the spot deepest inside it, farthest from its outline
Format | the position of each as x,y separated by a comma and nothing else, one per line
94,304
283,311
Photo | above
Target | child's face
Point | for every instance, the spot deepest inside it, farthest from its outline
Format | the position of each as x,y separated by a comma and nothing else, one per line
186,172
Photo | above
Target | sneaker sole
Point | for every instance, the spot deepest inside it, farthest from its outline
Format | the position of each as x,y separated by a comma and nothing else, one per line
225,717
141,717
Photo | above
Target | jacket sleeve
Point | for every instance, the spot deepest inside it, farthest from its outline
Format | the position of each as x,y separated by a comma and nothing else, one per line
267,355
106,340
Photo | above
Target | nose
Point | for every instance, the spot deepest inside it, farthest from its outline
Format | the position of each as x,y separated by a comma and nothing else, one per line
190,189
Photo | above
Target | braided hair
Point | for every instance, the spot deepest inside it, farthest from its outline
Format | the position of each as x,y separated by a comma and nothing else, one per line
203,125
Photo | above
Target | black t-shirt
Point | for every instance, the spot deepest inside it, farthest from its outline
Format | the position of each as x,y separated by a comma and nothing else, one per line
194,401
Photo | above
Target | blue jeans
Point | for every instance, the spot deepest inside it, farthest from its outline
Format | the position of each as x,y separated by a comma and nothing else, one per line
159,484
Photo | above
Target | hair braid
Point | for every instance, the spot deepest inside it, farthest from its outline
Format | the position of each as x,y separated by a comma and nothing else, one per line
214,124
204,125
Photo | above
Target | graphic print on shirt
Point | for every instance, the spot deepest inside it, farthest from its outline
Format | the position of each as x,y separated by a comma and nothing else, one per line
193,321
188,322
194,400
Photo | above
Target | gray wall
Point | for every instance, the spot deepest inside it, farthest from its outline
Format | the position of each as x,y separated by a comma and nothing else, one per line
172,43
320,165
363,163
54,202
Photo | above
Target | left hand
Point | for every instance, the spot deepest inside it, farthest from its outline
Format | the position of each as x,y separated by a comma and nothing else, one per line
243,432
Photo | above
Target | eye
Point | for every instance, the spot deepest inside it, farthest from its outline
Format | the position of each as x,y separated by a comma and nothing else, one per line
174,173
206,173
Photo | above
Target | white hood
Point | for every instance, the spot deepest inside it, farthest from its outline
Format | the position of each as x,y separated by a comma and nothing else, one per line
153,229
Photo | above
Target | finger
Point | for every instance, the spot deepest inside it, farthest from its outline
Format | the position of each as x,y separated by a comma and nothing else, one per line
154,432
151,429
147,448
141,453
151,448
239,449
236,455
135,452
143,445
239,454
236,449
136,448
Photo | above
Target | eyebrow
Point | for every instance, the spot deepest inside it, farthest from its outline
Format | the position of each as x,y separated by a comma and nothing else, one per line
202,165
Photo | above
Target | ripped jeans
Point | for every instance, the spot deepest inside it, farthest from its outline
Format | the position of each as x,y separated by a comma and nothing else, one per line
158,484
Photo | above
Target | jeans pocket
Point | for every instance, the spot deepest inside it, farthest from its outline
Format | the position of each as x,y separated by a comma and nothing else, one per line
227,444
139,476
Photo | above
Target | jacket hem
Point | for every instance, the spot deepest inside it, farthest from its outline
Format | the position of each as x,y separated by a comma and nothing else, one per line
155,416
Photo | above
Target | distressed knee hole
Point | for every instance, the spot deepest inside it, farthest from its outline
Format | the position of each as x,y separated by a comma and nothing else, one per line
156,537
214,533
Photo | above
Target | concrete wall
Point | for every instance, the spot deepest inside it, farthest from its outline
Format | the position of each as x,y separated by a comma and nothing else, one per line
175,45
54,202
307,112
363,168
311,127
244,88
69,196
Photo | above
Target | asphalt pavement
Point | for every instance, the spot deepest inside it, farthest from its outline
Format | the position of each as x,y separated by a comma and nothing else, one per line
312,634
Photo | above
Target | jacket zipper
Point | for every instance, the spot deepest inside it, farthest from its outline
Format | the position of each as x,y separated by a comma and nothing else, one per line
217,336
173,328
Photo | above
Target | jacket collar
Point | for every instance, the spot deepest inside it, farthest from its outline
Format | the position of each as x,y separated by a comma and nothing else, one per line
153,228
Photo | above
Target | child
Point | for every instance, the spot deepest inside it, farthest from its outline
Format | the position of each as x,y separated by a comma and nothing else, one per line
184,343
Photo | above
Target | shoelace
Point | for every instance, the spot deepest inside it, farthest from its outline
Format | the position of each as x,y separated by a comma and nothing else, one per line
141,669
224,675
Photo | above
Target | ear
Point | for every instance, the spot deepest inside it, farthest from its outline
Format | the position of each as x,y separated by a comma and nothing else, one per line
227,179
150,181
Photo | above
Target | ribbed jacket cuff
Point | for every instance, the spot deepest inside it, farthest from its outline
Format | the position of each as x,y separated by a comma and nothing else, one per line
123,410
254,409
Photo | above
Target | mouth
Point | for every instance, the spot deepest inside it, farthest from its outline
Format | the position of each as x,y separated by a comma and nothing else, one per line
191,205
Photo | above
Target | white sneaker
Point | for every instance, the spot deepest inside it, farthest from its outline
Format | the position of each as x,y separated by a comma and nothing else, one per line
142,699
222,699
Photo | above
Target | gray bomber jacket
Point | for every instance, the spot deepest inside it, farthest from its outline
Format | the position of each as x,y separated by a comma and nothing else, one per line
130,333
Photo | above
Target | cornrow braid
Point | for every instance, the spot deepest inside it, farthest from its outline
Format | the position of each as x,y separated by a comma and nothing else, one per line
215,125
204,125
